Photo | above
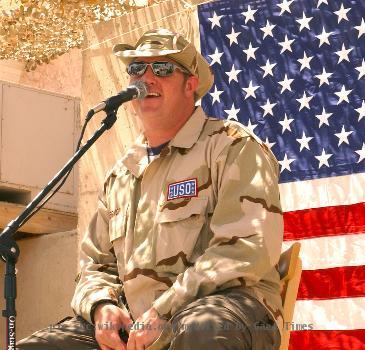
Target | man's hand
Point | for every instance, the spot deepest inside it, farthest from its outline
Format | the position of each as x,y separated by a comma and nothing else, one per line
109,319
146,330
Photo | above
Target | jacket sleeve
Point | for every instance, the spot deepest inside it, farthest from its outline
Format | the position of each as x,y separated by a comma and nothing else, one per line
246,224
98,279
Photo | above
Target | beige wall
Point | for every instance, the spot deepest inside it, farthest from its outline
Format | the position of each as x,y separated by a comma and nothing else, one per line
45,282
62,75
48,264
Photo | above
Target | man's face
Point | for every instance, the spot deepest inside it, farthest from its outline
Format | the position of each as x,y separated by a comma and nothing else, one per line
168,97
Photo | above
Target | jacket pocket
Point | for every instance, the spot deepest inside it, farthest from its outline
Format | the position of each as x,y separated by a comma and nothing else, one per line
117,226
178,226
117,232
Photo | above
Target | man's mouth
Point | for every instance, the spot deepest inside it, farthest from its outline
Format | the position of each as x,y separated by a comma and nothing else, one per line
153,95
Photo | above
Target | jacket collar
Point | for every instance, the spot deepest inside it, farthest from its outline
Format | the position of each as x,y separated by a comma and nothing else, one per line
136,159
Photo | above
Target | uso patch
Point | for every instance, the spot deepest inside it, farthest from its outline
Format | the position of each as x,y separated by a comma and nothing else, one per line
186,188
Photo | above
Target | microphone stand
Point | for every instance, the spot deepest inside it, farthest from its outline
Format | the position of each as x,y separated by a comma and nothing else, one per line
9,250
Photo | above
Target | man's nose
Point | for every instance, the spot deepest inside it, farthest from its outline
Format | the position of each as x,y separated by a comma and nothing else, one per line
148,75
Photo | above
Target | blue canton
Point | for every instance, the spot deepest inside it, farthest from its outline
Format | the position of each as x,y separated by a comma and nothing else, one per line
294,73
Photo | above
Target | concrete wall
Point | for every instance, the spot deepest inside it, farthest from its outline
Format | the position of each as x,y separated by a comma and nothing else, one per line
45,280
48,264
62,75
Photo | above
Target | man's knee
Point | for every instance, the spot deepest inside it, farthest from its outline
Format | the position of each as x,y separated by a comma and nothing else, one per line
207,331
71,333
218,340
34,343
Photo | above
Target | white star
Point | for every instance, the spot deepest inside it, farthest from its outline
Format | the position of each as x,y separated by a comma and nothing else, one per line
343,95
361,28
323,118
250,52
361,110
267,107
343,54
215,94
323,158
285,6
361,153
304,62
268,29
342,13
361,70
232,75
285,123
343,136
232,113
285,163
250,126
250,90
216,57
285,84
233,37
323,37
323,78
215,20
269,144
304,101
268,68
286,44
304,142
249,14
322,2
304,22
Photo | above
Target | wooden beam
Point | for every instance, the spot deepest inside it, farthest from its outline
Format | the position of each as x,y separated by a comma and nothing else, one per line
45,221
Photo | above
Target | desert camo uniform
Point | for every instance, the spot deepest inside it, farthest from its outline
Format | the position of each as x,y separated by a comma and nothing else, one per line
203,216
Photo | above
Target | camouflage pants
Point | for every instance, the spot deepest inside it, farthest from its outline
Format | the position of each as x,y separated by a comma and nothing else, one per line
225,320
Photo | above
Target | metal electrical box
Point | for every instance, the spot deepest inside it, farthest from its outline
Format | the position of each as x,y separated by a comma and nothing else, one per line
38,134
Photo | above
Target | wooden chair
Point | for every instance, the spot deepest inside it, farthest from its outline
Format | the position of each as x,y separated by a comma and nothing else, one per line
290,269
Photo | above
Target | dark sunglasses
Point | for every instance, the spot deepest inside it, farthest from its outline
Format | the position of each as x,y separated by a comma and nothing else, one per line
161,69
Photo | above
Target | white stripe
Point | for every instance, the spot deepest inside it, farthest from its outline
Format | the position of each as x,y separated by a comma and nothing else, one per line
334,314
338,190
331,251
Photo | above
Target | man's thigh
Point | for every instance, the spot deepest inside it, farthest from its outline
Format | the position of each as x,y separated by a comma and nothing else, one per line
72,333
225,320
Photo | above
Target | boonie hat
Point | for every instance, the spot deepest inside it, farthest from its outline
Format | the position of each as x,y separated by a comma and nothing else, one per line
163,42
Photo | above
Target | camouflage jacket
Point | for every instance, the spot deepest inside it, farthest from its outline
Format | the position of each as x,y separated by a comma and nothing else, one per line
203,216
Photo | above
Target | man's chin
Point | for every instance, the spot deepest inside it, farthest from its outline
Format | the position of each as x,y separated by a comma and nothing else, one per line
150,105
148,114
149,111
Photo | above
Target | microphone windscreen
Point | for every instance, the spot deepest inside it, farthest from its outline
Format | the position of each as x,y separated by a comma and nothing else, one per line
141,88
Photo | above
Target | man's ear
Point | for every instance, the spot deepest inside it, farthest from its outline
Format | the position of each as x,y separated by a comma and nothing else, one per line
191,85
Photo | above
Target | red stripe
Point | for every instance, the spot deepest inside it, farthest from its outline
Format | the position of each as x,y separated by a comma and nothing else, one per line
353,339
326,221
338,282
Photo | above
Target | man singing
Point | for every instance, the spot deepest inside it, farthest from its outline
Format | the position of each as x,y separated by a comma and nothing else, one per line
182,251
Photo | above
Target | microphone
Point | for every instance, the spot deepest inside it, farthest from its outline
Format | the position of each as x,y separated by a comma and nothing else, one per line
136,90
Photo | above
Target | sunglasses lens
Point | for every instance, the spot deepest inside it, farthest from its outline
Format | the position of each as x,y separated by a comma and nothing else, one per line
163,69
137,68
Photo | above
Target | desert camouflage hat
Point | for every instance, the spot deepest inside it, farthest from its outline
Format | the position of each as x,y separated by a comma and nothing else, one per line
163,42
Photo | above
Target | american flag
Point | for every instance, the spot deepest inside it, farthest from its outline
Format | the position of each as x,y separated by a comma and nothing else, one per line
293,71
